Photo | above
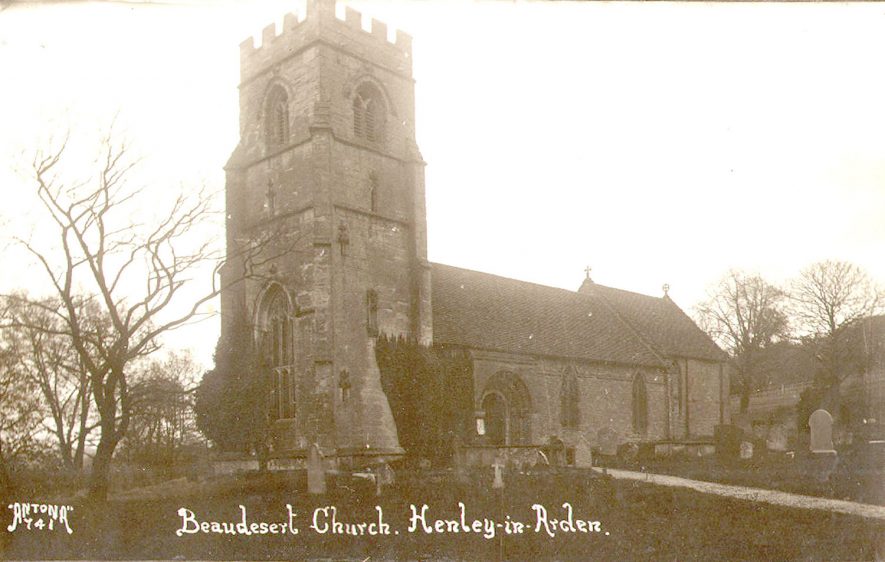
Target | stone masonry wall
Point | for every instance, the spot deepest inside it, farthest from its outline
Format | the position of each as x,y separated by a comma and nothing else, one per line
331,241
706,389
605,396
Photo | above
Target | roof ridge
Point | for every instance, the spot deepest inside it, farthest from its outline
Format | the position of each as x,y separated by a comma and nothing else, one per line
637,293
541,285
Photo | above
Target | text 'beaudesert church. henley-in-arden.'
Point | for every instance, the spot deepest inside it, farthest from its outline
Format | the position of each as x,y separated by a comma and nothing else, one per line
328,171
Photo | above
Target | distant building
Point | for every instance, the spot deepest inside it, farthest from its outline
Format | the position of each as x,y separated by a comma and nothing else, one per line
327,168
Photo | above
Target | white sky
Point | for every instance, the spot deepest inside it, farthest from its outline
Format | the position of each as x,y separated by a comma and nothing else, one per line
656,143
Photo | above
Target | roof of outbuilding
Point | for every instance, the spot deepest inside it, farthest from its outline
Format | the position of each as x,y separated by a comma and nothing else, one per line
484,311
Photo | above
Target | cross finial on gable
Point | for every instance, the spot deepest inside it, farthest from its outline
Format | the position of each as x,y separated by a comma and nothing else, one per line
587,271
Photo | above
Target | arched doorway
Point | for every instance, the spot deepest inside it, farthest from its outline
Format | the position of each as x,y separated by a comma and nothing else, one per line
495,407
507,405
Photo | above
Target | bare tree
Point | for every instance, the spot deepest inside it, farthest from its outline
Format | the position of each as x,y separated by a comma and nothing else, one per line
827,298
162,420
45,359
135,273
19,413
744,314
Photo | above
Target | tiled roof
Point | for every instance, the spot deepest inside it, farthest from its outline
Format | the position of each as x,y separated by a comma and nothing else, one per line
485,311
660,321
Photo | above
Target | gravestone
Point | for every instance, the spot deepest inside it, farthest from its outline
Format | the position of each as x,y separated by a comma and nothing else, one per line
459,461
583,454
821,424
746,450
316,474
384,477
498,482
608,441
824,459
728,441
777,438
556,451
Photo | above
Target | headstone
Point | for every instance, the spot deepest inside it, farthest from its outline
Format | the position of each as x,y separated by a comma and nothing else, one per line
583,454
608,441
498,483
316,474
386,476
728,441
821,424
777,438
459,461
556,451
746,450
628,452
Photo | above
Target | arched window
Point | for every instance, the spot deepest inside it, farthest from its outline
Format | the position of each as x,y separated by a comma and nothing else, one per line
569,401
372,312
640,405
373,192
278,354
369,114
277,117
676,376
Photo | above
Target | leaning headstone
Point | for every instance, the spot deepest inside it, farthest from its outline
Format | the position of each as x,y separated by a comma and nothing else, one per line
821,424
608,441
316,474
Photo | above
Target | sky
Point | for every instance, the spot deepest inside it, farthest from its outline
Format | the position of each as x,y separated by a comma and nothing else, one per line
656,143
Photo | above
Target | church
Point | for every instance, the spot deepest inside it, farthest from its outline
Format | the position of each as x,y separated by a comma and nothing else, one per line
327,252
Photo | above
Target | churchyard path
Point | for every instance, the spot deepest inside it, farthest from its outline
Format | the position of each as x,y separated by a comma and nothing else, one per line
754,494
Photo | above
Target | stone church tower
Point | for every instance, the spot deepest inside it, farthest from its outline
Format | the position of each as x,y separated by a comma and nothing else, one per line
326,227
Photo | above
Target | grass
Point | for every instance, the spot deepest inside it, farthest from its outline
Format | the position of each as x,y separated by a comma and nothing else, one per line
642,522
854,478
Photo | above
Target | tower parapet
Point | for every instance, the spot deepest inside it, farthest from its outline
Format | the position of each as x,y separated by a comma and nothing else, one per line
321,24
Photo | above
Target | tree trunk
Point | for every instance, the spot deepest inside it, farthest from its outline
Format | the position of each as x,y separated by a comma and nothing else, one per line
5,481
101,465
81,435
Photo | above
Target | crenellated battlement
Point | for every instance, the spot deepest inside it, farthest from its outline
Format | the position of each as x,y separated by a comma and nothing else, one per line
321,22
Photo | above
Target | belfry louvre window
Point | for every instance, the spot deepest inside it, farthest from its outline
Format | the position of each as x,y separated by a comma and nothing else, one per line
277,117
368,114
